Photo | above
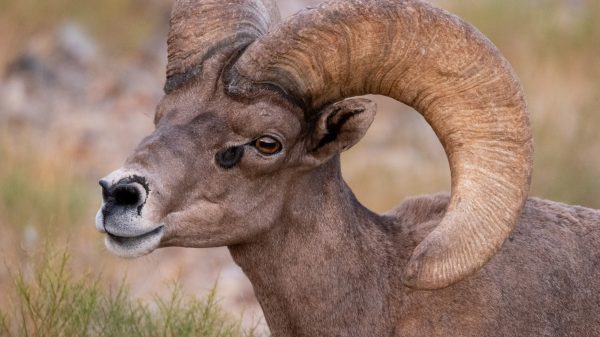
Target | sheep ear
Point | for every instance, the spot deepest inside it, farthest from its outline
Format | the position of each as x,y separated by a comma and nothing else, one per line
338,127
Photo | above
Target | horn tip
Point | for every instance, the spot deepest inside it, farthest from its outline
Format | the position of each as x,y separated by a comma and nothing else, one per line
431,267
416,280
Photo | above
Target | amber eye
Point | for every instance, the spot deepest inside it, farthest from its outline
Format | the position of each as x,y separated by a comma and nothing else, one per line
267,145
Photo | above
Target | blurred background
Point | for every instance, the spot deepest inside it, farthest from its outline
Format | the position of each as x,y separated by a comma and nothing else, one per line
79,81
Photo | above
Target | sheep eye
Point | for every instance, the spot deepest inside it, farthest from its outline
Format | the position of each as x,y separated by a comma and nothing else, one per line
267,145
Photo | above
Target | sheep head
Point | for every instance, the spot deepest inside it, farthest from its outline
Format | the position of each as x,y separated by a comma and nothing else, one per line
248,109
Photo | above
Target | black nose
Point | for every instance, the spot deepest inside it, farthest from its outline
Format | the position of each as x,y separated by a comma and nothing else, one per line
105,194
122,194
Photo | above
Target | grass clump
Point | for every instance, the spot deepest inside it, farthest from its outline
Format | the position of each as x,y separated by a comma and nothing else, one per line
50,301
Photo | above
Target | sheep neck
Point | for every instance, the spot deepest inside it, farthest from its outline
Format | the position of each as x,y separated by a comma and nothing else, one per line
324,265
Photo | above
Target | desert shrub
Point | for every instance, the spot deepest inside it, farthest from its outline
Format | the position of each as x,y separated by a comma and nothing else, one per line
49,300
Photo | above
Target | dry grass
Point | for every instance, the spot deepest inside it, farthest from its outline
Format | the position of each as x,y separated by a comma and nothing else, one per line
48,178
49,300
47,207
40,188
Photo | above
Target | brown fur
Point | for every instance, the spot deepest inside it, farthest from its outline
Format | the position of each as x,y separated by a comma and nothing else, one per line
342,278
543,282
322,264
444,68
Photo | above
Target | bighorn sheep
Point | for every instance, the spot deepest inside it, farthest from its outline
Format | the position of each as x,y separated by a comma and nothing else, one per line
246,155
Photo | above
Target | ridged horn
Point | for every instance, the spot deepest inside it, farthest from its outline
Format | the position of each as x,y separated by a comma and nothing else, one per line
445,69
202,28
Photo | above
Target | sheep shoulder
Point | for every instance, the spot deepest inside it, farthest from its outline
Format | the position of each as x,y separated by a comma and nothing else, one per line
545,281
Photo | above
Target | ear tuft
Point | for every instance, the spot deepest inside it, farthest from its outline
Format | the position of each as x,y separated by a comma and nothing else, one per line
339,126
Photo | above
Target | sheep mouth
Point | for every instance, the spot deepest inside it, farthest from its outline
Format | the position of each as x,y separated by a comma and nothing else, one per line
134,246
123,240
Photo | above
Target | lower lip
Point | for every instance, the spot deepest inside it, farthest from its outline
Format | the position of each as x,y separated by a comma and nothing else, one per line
128,240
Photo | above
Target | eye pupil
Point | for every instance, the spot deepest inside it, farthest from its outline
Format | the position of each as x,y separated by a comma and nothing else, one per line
267,145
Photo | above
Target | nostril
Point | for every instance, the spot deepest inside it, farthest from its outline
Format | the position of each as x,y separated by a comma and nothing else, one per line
126,195
105,194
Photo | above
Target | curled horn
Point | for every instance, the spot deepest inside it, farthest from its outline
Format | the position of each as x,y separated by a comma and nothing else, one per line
200,29
445,69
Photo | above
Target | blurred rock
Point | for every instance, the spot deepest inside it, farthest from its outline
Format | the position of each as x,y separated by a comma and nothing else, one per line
76,45
69,93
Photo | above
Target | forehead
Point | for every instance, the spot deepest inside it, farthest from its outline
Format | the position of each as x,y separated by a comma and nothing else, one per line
263,116
246,119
